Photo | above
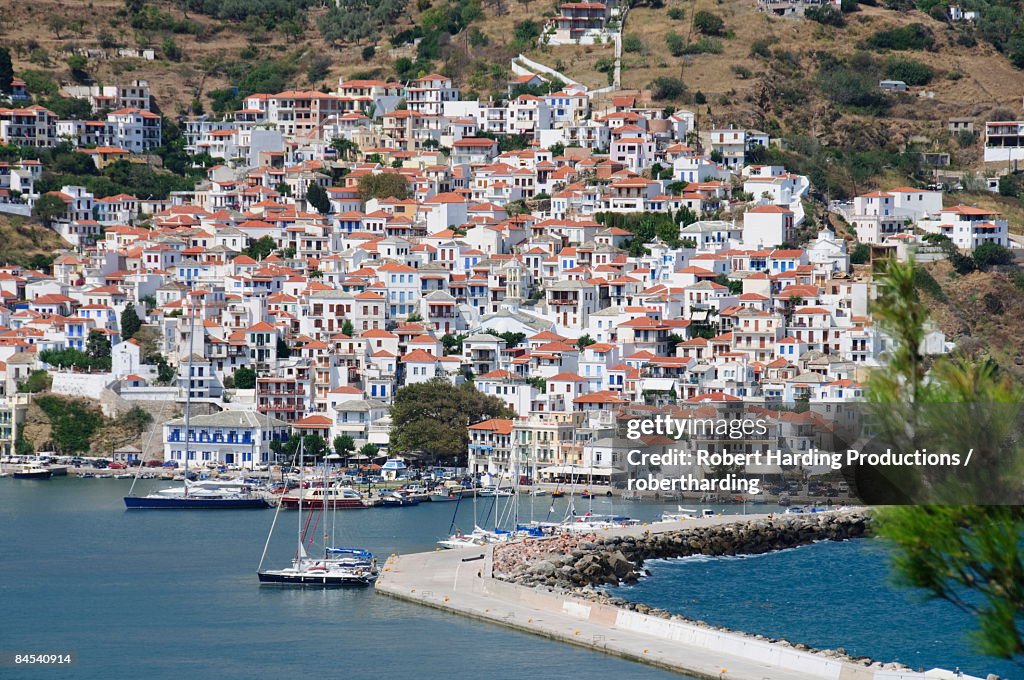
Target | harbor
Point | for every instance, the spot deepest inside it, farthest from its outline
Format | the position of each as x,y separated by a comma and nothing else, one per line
135,576
464,582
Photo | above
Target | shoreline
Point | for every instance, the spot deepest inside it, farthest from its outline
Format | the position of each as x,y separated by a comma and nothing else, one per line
464,582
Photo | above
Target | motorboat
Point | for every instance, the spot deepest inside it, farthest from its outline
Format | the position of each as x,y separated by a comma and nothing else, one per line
31,471
334,497
445,495
393,499
590,523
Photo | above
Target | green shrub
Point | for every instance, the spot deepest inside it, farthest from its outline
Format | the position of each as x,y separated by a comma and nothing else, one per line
632,43
910,71
708,23
825,14
667,88
704,46
675,43
861,254
849,87
676,13
990,255
910,37
926,282
741,71
762,48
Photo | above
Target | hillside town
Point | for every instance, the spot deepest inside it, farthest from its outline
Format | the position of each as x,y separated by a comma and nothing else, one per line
575,256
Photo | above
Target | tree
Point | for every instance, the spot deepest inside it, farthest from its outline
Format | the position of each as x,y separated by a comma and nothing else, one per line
861,254
316,196
314,446
164,371
585,341
383,185
245,378
735,286
6,70
452,342
260,248
512,339
347,328
283,350
667,88
343,445
130,322
346,148
37,381
56,23
97,345
72,422
969,555
369,450
991,254
708,23
171,49
432,417
48,208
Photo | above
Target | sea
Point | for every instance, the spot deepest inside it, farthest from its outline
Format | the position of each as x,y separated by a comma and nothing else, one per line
825,595
173,594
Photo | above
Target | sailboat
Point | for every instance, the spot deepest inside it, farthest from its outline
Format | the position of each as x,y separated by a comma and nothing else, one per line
190,496
337,566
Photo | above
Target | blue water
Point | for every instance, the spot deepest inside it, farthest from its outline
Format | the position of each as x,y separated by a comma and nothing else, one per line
155,595
825,595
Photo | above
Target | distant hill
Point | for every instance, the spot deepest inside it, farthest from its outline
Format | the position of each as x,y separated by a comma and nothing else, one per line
813,85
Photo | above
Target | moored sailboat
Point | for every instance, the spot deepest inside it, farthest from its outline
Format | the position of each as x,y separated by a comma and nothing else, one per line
336,567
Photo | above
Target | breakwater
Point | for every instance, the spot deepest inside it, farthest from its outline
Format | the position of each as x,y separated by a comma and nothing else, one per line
483,584
588,561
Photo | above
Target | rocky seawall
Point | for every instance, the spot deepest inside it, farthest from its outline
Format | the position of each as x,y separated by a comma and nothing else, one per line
588,561
581,564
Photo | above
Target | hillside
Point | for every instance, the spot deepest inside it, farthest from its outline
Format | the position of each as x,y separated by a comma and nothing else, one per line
982,312
812,85
26,242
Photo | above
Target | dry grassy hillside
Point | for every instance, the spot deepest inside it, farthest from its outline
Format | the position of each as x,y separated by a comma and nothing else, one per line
23,239
982,312
95,24
734,83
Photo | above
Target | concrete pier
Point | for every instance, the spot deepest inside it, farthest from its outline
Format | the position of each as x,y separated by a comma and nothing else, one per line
460,581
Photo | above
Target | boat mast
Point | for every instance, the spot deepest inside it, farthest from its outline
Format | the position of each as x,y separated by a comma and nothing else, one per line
302,493
188,388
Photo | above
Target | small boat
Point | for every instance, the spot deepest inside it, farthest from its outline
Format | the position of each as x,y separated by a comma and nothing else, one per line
445,496
557,493
492,491
540,492
479,537
396,500
31,471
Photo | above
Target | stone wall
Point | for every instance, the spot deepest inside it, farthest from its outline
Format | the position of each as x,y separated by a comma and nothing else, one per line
575,562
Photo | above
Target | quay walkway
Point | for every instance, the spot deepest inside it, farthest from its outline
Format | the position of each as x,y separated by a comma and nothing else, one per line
460,581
